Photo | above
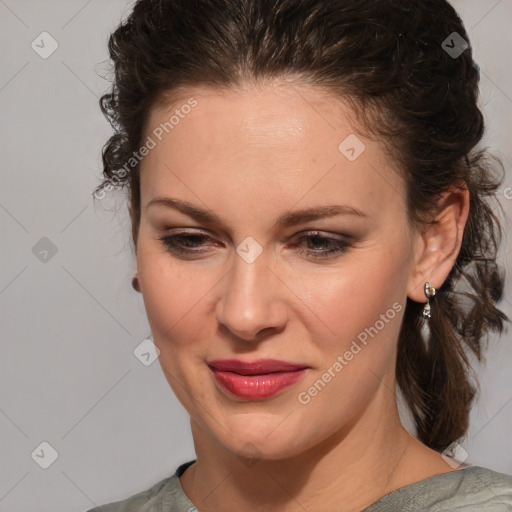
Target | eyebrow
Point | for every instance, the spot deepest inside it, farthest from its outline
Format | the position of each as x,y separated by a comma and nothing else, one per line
286,220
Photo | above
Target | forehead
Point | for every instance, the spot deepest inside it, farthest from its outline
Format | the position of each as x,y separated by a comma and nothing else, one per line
268,115
295,141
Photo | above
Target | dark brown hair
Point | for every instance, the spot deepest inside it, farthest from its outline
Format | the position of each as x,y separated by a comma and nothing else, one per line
391,59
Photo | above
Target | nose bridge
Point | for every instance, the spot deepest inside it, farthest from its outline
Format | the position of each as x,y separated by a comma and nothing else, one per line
249,302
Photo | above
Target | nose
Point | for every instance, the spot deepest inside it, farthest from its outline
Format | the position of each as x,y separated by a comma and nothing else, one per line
252,300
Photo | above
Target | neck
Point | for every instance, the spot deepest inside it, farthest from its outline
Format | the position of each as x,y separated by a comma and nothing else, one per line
353,467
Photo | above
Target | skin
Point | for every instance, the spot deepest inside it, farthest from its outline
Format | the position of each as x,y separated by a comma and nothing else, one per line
250,156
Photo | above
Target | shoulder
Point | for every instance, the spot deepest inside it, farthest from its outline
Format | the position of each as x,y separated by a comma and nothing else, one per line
488,487
142,500
165,495
489,477
471,488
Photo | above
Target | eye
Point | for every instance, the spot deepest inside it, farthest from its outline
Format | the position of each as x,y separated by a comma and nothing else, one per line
329,247
185,244
191,243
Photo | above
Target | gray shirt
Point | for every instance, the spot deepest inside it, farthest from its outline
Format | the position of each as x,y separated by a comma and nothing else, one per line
473,488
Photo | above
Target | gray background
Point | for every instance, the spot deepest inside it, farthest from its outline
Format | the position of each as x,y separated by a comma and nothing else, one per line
69,325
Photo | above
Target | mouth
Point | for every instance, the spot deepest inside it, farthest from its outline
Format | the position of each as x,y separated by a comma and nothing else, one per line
258,367
256,380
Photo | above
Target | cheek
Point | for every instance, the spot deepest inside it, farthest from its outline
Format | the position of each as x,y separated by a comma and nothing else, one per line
363,309
350,300
178,312
174,300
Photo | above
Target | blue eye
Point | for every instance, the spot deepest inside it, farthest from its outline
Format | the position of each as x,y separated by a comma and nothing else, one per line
190,244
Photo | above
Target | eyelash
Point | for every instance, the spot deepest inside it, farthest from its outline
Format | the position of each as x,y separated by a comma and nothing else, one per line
340,246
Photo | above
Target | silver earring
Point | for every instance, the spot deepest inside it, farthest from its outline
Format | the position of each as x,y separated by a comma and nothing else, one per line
430,291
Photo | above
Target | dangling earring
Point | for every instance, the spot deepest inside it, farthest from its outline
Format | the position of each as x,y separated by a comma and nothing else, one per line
136,283
430,291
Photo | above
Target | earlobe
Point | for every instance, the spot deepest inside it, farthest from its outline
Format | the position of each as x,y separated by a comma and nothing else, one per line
440,242
136,283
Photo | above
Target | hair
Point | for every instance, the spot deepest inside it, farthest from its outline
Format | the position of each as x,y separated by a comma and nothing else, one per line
387,58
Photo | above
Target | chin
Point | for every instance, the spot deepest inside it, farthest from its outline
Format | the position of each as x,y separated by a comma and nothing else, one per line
251,440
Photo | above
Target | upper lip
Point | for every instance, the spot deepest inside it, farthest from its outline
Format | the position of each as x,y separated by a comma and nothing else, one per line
257,367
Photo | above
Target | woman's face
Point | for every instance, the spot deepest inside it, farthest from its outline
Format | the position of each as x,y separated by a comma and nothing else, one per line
249,279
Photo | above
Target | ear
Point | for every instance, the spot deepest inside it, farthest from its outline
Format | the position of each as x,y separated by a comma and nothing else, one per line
438,245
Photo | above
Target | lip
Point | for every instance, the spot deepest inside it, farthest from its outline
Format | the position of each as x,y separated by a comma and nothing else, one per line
256,380
257,367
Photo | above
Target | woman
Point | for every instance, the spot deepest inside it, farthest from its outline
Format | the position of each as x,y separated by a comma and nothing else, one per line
306,201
